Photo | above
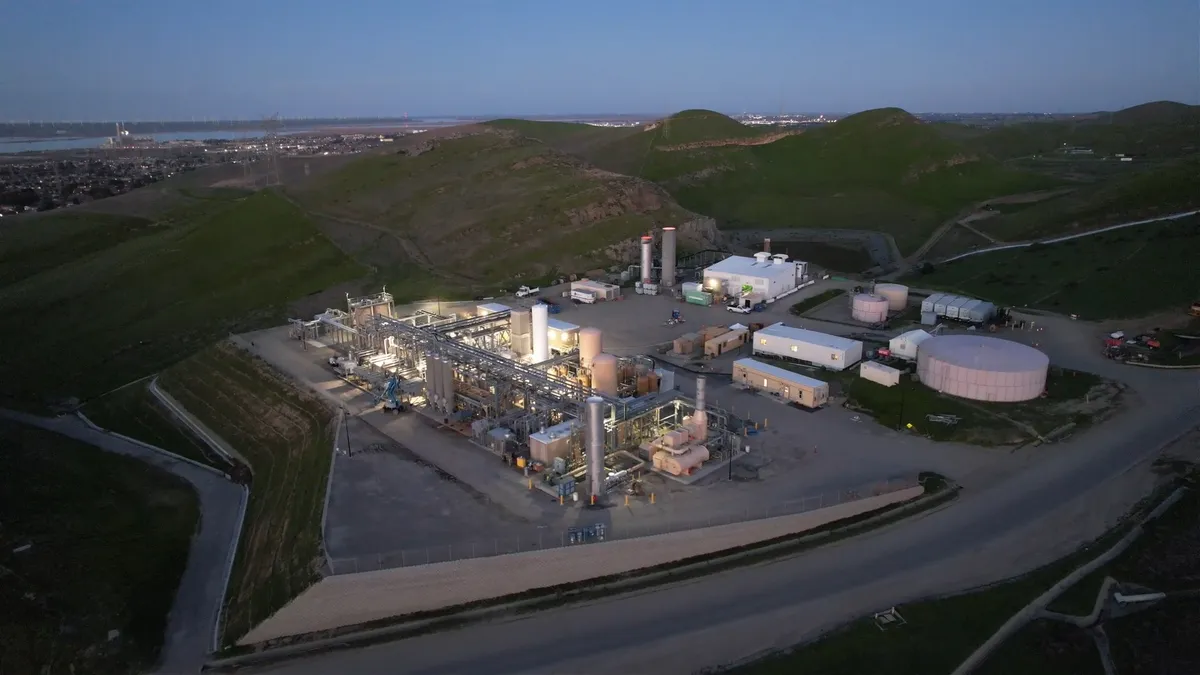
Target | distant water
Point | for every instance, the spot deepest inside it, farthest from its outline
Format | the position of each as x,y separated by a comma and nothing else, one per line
19,144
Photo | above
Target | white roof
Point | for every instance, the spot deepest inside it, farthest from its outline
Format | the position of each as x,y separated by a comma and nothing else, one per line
493,308
749,267
914,336
779,373
592,283
810,336
555,324
881,367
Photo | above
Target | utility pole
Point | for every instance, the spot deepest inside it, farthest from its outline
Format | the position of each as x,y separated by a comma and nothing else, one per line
346,423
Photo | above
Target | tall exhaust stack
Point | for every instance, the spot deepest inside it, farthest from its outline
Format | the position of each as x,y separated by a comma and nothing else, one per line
700,416
767,245
647,259
595,447
668,257
541,332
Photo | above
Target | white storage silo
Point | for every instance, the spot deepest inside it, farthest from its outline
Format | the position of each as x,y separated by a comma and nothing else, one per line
432,379
541,332
604,374
896,295
647,259
982,368
868,308
591,343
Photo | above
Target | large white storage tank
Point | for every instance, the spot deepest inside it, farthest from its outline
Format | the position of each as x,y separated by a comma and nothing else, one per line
541,332
604,374
895,294
868,308
982,368
590,346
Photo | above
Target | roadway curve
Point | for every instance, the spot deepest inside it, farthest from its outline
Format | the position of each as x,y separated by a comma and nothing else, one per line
190,625
1007,526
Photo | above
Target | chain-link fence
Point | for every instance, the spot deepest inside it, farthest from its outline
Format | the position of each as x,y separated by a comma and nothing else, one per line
585,532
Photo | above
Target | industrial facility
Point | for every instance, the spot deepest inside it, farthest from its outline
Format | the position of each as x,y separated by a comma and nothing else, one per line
798,344
982,368
538,392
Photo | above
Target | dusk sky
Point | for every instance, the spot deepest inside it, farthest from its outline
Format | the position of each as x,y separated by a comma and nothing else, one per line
141,60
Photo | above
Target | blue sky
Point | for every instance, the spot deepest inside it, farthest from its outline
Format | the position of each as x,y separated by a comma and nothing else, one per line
173,59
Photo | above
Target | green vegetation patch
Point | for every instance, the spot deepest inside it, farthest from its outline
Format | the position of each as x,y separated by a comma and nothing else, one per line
135,412
286,435
833,257
33,244
133,308
108,539
815,301
1124,273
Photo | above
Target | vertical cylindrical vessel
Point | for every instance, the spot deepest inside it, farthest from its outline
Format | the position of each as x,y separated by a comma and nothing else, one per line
896,294
432,379
591,342
541,332
700,416
668,257
595,446
519,322
647,259
447,369
604,374
767,245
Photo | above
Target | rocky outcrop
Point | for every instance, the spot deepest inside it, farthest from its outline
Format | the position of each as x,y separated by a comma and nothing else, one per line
724,142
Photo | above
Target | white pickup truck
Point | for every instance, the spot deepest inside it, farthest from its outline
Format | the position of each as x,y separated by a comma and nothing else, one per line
525,291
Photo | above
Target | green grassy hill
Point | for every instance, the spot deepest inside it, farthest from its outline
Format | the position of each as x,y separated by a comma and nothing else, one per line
459,207
1153,130
98,301
878,170
1123,273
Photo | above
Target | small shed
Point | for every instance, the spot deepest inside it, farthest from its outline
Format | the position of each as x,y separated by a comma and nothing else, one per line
687,344
905,345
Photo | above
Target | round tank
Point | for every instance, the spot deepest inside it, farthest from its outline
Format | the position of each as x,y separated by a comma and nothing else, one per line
604,374
895,294
590,345
868,308
982,368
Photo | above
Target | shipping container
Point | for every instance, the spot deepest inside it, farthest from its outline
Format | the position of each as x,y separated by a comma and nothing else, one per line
879,373
827,351
698,298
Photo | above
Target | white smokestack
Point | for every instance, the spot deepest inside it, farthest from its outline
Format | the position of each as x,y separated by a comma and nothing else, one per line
668,257
700,416
647,259
541,332
595,446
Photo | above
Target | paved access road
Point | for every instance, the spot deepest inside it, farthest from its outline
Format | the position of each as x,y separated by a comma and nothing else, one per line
189,635
1005,528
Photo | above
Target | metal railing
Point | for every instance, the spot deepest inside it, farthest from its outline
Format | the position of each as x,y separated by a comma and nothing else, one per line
550,537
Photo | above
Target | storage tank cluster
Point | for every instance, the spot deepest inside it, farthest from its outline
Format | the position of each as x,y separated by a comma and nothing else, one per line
982,368
869,308
667,277
439,383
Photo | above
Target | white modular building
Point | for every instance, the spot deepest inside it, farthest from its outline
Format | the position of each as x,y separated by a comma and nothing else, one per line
820,349
767,275
905,345
879,373
958,307
491,308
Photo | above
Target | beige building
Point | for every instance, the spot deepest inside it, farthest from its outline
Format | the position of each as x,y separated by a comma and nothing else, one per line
793,387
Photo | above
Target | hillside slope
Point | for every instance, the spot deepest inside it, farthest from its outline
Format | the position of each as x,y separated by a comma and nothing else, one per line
486,208
878,170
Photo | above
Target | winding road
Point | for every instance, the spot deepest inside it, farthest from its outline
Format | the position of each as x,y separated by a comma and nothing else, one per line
1006,526
190,625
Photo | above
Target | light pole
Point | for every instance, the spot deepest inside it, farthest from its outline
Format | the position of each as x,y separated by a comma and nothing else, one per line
346,423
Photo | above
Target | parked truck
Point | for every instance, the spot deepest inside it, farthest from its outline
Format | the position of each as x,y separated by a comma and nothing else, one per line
525,291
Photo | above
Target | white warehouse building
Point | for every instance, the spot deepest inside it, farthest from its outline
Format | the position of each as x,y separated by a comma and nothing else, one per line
766,275
820,349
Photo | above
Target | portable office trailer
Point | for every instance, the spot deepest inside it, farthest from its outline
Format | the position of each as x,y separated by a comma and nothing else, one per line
793,387
598,289
727,342
827,351
687,343
878,373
